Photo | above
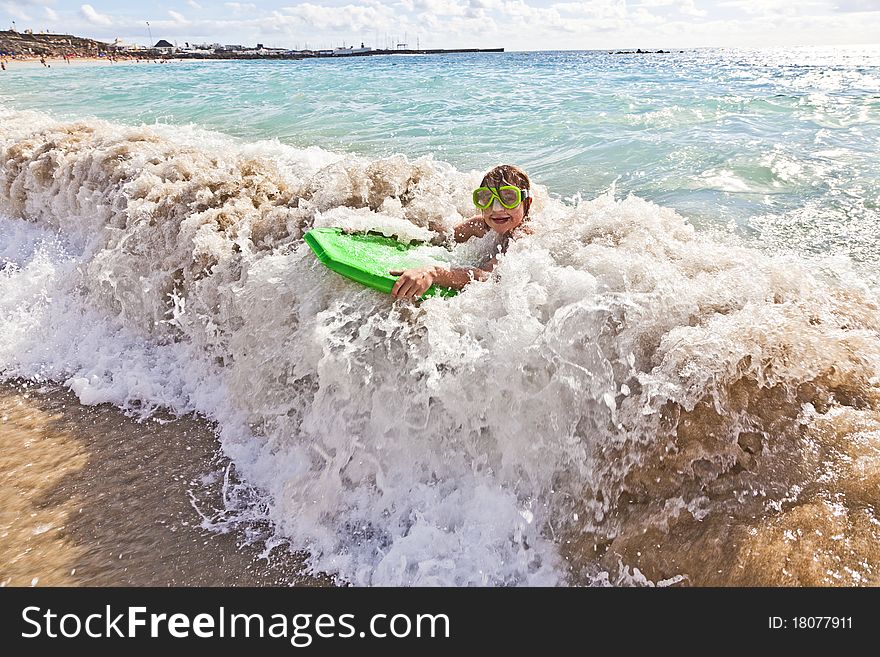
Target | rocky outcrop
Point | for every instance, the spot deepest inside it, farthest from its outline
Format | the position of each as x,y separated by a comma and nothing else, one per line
52,45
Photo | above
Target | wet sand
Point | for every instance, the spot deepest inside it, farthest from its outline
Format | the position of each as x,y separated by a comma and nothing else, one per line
92,497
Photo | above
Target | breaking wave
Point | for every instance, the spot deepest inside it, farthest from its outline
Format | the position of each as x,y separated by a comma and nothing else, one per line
625,401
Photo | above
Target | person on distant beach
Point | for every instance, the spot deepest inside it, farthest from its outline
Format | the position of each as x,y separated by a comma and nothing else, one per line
504,199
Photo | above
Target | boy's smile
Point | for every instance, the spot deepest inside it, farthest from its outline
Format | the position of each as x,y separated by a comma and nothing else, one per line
502,220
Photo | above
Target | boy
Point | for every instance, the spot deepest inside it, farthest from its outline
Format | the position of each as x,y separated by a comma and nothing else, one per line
504,198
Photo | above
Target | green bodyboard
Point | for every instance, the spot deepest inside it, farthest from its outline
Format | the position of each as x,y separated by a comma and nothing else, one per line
367,258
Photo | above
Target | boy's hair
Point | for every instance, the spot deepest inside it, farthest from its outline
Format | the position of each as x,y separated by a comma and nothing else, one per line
508,174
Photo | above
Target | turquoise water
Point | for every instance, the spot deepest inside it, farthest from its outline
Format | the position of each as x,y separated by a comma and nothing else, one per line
779,146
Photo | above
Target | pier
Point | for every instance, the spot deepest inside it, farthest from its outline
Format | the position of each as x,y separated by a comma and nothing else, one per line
243,54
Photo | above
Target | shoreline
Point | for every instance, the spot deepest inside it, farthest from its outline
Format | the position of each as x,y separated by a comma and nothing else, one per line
161,58
11,63
92,497
30,61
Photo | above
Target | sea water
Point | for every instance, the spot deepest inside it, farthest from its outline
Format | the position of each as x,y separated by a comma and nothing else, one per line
674,379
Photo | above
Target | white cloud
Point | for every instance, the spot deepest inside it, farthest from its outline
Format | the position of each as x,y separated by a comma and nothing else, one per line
51,14
688,7
619,9
600,9
15,11
438,7
857,5
777,7
178,17
350,18
88,12
511,24
684,6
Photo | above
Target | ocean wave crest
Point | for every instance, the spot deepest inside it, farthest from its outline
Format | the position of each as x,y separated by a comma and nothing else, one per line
625,401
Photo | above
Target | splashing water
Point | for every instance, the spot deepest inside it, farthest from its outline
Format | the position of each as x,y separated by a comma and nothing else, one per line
625,401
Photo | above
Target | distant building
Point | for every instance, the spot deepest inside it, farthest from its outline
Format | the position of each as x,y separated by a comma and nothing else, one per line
119,44
196,50
163,46
262,50
351,50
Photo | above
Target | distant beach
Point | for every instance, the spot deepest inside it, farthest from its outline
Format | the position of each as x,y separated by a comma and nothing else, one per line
31,61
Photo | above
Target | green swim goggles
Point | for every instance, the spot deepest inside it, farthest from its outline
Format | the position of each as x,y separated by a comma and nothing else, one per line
509,196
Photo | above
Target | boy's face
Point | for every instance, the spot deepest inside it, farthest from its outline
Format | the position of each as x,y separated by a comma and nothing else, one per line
503,220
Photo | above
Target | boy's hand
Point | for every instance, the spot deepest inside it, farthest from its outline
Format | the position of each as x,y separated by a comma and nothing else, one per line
412,283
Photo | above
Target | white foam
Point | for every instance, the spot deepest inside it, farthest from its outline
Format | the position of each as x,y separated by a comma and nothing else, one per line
452,442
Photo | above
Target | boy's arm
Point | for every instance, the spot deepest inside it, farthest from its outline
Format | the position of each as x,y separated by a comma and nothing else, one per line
473,227
415,282
459,277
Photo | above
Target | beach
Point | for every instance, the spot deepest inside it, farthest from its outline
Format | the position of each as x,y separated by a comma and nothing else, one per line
36,60
92,497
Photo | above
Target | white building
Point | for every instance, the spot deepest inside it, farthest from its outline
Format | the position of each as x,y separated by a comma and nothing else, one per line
351,50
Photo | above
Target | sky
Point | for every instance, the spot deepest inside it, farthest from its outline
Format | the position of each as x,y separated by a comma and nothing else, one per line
511,24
